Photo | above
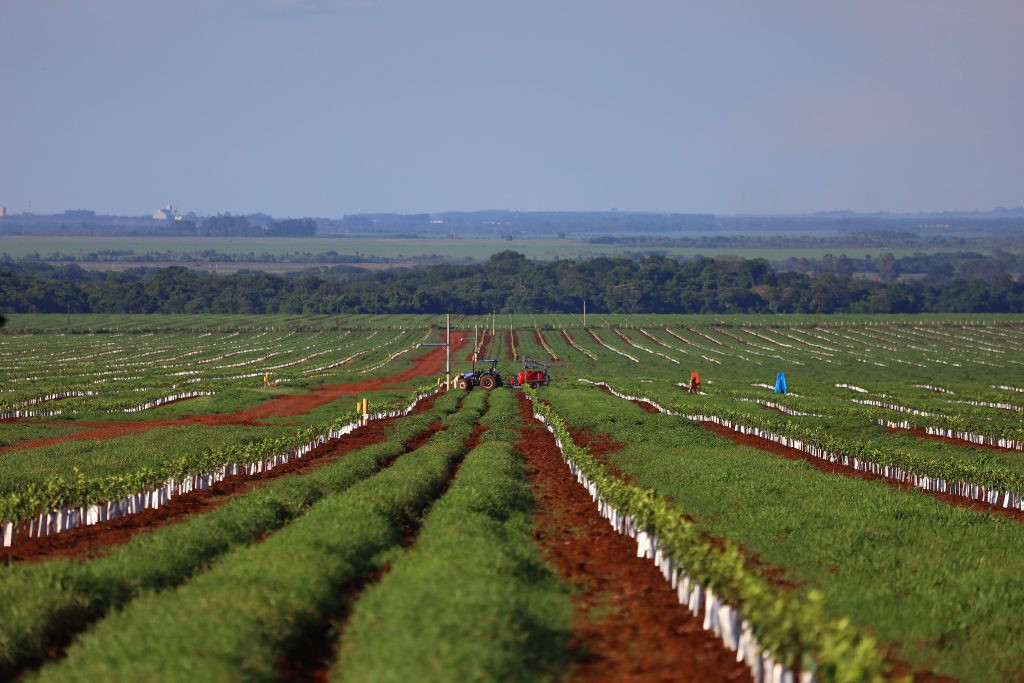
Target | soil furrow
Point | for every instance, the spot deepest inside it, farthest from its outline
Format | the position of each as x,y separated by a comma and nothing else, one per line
314,652
920,433
431,363
838,469
90,541
628,624
312,657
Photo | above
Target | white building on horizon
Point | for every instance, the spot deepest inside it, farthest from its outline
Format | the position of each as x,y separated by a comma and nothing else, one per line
166,214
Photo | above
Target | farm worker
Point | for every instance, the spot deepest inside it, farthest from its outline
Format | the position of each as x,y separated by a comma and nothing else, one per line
266,379
694,383
780,383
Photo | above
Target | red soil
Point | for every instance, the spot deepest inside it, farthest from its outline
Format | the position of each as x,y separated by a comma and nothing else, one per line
311,659
654,339
771,408
431,363
647,407
600,445
539,339
775,574
90,541
485,340
844,470
624,338
920,433
628,623
847,471
734,337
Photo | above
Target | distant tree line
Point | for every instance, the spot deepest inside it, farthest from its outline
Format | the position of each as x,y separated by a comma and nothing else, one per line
507,282
872,239
226,225
934,267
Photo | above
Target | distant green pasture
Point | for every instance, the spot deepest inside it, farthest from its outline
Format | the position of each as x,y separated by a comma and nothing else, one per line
20,246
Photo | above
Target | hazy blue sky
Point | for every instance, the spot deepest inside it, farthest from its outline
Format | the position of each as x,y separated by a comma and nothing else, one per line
325,107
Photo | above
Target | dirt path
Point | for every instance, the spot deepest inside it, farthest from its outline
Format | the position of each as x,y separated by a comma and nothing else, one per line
431,363
513,343
90,541
628,623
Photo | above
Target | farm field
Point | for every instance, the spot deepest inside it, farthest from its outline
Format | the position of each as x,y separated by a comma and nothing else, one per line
169,485
252,248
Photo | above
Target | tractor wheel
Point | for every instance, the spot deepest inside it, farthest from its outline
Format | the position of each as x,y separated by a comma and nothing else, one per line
488,382
534,384
461,383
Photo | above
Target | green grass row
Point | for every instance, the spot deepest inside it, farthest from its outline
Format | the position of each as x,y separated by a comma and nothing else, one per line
256,603
48,601
858,438
943,585
145,462
472,600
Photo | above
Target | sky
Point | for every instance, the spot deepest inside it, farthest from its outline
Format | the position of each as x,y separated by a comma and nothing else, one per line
329,107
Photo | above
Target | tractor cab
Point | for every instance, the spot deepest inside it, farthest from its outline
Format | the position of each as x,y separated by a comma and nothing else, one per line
486,378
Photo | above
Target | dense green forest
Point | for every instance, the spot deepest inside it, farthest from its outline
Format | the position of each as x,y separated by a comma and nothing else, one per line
507,282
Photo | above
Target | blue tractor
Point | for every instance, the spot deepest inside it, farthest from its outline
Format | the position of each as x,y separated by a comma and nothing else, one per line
486,378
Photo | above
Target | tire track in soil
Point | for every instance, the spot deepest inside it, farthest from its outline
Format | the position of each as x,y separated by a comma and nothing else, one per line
628,623
838,469
292,405
312,657
513,343
86,542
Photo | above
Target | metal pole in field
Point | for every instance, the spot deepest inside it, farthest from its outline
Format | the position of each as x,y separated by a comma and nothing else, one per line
476,343
448,351
584,314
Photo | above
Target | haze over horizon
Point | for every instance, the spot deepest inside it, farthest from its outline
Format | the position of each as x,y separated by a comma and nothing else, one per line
328,107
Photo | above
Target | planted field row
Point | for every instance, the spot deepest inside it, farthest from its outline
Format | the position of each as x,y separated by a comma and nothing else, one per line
49,602
1000,487
938,585
214,626
980,439
775,633
470,600
88,384
69,503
